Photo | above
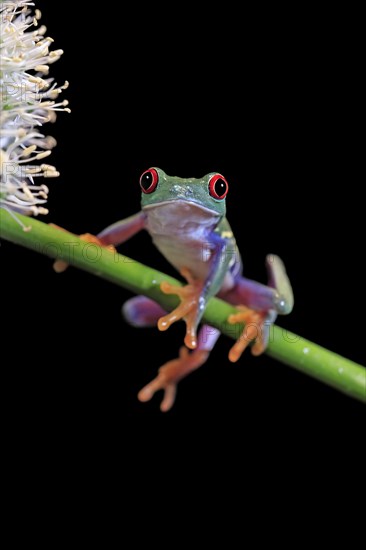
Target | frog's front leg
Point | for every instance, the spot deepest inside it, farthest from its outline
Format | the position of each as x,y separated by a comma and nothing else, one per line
195,295
188,308
110,237
259,306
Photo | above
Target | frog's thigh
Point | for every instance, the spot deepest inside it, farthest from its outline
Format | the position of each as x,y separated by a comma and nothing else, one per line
141,311
251,294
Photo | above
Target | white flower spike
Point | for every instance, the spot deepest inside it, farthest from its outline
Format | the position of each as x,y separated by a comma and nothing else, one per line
28,100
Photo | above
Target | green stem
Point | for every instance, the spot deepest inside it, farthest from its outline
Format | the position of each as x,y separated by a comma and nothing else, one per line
287,347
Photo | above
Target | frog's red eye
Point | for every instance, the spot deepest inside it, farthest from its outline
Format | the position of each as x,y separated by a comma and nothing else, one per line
218,187
149,180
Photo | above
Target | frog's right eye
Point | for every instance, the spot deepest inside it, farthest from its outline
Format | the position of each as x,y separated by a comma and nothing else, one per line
149,180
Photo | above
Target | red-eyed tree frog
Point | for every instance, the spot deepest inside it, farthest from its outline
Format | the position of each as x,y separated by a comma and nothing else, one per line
187,223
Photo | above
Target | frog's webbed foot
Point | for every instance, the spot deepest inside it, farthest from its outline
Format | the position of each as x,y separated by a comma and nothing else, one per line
61,265
188,309
170,374
262,304
257,327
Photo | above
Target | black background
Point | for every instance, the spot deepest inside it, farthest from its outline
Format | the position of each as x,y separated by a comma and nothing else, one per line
269,108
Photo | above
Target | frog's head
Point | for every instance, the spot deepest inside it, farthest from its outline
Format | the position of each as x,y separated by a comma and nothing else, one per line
207,193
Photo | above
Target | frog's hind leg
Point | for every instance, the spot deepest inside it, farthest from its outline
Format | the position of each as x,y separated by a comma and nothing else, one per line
141,311
259,306
277,295
176,369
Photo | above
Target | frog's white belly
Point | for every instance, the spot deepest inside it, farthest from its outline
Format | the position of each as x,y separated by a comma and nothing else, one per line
189,254
180,230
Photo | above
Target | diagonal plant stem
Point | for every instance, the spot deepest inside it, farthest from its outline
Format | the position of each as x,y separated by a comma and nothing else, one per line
330,368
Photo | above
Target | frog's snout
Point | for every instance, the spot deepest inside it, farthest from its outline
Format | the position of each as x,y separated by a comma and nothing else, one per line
182,191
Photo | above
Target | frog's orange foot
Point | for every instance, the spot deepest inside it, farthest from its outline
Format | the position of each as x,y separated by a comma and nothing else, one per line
187,309
170,374
61,265
256,329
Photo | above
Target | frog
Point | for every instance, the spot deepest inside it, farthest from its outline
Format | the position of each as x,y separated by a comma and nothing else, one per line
186,220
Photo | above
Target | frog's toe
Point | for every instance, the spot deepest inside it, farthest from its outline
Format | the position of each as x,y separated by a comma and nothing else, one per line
61,265
256,331
170,374
261,342
188,309
170,391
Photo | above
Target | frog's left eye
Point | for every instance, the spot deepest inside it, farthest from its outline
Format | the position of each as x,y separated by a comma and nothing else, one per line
218,187
149,180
